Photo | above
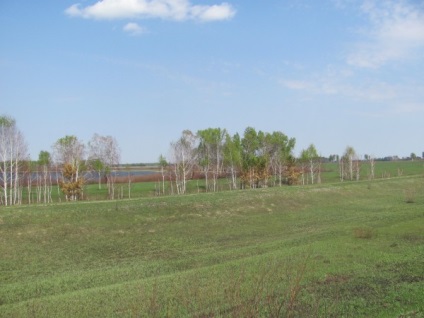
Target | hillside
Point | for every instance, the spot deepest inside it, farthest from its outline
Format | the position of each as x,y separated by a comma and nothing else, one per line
351,249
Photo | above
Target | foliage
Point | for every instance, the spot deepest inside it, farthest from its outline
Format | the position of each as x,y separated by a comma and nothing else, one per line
293,171
264,155
104,154
184,159
349,165
7,121
44,158
233,158
71,185
70,150
210,153
311,166
69,153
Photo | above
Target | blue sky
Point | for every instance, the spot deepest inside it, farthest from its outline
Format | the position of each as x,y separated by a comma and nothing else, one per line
332,72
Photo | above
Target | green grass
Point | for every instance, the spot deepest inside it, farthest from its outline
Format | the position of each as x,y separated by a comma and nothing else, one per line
382,170
342,249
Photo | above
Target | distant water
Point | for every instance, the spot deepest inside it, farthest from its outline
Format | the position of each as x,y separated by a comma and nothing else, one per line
95,175
135,173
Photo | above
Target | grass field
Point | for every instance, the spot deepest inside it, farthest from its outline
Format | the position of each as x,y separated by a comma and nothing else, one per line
383,170
331,250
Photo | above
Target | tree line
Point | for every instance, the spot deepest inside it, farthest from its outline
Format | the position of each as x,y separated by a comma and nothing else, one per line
252,160
249,161
66,166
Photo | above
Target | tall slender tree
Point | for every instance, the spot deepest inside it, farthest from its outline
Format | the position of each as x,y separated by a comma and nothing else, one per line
69,155
104,154
13,153
251,162
311,161
44,163
371,161
233,158
281,149
184,159
163,164
349,165
210,153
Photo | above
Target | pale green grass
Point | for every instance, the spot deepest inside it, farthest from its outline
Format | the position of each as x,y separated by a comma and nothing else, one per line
235,254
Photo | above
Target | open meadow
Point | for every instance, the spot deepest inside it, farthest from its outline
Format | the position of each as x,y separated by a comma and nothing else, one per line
353,249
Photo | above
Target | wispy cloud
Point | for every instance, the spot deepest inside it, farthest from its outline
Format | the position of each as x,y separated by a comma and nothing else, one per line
296,84
134,29
344,4
407,108
396,33
373,97
178,10
344,83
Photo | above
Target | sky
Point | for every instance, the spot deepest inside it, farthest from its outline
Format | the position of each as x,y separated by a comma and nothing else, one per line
333,73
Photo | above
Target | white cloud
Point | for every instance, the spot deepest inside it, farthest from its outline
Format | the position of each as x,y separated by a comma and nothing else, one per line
396,33
165,9
223,11
134,29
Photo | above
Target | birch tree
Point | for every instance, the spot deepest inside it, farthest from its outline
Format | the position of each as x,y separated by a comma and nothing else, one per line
255,157
233,158
292,170
349,165
210,153
250,160
310,159
163,164
104,152
204,155
45,180
13,153
264,155
280,148
69,154
99,168
184,159
371,161
350,155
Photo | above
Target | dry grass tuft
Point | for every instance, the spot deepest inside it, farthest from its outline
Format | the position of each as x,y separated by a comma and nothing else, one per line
363,233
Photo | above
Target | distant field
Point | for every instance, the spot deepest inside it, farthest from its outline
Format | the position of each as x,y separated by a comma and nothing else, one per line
151,185
383,170
352,249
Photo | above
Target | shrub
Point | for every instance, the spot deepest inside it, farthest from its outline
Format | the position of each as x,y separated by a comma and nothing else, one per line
410,195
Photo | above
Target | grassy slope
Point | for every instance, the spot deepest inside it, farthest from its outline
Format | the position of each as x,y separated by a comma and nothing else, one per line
362,244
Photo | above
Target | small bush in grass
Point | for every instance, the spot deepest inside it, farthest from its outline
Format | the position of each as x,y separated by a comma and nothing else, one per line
410,195
363,233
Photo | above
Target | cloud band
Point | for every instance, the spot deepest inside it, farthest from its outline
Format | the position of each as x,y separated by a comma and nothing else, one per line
178,10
